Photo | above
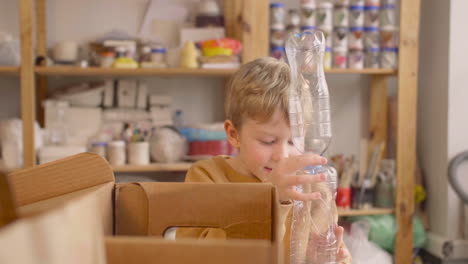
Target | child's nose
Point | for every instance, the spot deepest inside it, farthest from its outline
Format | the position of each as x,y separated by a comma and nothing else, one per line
281,151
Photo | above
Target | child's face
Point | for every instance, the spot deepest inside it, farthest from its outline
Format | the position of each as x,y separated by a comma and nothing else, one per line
263,144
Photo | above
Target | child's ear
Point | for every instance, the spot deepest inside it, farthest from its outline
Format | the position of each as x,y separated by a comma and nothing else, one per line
231,133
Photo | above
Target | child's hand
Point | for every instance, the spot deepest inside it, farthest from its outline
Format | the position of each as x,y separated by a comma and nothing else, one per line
342,253
284,177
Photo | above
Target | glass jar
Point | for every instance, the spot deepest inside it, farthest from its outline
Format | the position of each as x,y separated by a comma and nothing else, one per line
308,14
371,16
277,35
340,58
340,38
371,37
340,16
355,39
277,14
278,52
99,148
325,15
116,154
106,59
294,21
388,15
388,37
158,57
356,59
389,58
356,16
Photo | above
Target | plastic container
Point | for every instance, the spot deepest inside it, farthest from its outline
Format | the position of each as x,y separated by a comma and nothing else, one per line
116,153
99,148
356,16
389,59
340,16
325,15
340,58
388,15
356,59
371,37
138,153
294,21
372,58
356,38
388,37
277,35
371,16
340,38
106,59
308,14
158,57
357,2
278,53
277,14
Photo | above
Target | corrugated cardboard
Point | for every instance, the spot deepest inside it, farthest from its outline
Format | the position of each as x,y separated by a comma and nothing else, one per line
66,204
66,207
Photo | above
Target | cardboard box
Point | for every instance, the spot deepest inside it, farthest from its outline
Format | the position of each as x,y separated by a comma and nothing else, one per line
68,207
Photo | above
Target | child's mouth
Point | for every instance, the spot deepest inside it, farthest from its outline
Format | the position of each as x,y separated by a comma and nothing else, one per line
268,169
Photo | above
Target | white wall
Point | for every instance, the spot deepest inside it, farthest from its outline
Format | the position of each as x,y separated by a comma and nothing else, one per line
200,98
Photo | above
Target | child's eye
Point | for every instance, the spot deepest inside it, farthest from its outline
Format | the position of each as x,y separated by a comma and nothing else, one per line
290,142
267,142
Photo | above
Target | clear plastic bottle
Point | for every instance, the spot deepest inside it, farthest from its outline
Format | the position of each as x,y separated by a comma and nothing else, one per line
309,115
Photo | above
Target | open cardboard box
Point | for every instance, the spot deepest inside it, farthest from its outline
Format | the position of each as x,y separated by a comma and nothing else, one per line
69,215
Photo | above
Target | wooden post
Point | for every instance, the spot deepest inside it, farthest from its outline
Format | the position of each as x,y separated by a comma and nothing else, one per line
28,112
247,21
406,130
41,49
378,112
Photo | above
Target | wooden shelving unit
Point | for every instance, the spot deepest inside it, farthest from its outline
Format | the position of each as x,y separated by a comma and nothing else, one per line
373,211
154,167
247,21
7,70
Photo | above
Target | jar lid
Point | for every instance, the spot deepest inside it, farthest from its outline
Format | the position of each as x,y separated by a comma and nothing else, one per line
276,5
277,48
354,29
99,144
390,49
308,28
107,54
367,8
373,49
328,49
356,7
117,143
158,50
388,6
371,29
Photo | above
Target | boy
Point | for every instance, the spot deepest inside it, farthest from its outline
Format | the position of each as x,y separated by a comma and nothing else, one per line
257,125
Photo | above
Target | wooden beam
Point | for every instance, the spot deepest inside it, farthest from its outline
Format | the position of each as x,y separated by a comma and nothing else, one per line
406,130
41,49
233,19
28,112
378,112
254,29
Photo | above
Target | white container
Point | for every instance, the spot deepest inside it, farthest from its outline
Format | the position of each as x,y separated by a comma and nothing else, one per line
356,38
356,59
371,16
340,38
325,15
66,51
372,58
99,148
356,16
277,14
371,37
388,37
341,16
327,32
308,14
389,59
116,153
138,153
340,58
387,15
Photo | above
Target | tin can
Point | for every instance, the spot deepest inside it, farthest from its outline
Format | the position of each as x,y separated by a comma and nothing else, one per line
371,16
356,38
356,59
325,14
372,58
389,58
340,58
356,16
341,16
340,38
371,37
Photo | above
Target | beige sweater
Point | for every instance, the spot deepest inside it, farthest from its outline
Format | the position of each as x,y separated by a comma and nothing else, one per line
217,170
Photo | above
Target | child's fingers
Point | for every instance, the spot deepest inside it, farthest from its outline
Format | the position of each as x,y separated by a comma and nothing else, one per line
343,254
294,180
295,163
292,194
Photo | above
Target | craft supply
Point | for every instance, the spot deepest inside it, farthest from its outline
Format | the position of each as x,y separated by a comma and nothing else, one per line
356,16
389,59
116,153
308,14
340,16
138,153
340,38
277,14
372,58
388,37
387,15
325,14
371,16
99,148
355,38
340,58
371,37
327,58
356,59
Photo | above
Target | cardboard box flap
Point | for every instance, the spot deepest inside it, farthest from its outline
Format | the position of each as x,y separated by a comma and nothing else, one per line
124,250
59,177
242,210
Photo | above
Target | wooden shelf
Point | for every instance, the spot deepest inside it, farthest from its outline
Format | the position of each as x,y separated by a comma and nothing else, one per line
96,71
9,70
181,166
363,71
373,211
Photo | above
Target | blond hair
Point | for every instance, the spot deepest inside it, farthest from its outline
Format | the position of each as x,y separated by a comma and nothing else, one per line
256,90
